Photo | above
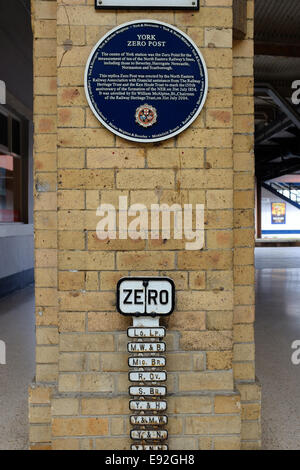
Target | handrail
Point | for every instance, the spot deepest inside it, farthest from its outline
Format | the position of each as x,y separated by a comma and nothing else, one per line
281,196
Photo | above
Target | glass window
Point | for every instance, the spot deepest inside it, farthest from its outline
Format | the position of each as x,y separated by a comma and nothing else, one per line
3,130
16,136
11,169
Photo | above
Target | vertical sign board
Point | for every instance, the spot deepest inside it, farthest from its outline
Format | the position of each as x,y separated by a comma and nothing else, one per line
146,299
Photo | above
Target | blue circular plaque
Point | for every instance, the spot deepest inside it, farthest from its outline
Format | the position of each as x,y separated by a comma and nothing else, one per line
146,81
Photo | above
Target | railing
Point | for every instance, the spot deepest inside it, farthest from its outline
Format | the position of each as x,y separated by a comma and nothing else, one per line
286,191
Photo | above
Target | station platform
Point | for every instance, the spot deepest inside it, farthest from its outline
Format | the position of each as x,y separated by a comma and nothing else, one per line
277,242
17,329
277,326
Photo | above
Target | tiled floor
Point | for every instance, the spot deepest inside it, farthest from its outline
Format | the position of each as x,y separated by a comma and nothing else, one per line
17,330
277,326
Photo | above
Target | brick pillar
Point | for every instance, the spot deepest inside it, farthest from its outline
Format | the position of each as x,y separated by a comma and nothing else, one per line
45,221
82,371
244,236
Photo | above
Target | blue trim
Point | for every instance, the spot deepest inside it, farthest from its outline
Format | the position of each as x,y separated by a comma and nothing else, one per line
280,232
276,193
17,281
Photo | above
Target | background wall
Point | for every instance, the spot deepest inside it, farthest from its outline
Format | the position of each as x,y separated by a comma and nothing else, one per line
292,225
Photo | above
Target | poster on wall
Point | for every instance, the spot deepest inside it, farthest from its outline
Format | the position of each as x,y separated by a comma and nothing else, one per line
278,213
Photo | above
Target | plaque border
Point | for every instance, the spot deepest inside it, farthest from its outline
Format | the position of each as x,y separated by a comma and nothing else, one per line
136,139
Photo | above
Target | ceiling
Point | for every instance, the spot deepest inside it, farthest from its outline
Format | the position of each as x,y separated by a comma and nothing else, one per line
277,21
276,67
16,49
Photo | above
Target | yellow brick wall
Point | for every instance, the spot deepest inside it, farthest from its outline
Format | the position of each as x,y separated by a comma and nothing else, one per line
244,237
80,398
45,220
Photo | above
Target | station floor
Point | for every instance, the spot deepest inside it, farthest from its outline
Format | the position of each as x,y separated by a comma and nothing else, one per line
17,325
277,326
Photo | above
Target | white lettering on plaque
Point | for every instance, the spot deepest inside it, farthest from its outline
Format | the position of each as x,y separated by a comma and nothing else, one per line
147,361
147,376
148,391
151,434
146,347
141,405
154,420
146,332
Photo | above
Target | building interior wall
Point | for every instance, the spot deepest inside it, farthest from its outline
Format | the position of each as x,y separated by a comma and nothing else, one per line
290,229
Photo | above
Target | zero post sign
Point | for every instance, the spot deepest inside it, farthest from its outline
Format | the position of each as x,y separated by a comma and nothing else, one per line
140,296
145,298
146,81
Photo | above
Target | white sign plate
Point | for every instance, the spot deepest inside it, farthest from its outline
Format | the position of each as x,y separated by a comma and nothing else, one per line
140,4
151,434
146,347
148,391
138,405
147,376
146,332
145,420
147,361
149,447
145,296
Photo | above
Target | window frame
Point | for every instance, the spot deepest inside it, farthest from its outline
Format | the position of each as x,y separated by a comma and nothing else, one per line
23,157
